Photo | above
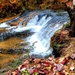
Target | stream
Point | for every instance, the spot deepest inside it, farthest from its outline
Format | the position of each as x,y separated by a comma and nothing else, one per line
32,32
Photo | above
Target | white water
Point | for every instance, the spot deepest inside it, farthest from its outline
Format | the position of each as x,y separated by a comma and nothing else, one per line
43,37
44,25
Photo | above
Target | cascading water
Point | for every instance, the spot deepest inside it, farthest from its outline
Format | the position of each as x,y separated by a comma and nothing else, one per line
43,25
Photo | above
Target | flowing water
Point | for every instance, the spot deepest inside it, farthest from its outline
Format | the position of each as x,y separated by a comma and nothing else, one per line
33,32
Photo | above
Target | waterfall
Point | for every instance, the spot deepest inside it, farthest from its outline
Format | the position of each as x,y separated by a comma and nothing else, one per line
43,24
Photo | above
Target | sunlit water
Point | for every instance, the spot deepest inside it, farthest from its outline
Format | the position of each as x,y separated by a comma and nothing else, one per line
42,25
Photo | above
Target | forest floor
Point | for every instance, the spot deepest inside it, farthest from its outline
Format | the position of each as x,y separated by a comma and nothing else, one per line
64,64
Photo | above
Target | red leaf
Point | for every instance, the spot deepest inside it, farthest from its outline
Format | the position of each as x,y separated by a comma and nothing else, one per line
35,71
64,60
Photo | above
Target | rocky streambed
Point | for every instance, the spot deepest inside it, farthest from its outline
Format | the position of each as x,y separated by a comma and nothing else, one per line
29,34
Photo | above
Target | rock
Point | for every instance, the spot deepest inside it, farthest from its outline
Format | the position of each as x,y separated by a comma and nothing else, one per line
72,68
72,56
60,67
64,34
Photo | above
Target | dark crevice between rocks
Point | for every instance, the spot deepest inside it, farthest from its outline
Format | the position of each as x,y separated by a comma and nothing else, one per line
7,35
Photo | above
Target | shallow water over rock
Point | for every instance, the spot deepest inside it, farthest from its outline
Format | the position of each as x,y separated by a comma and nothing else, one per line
31,32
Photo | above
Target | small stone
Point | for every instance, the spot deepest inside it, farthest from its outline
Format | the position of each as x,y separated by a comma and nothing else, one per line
60,67
72,68
72,56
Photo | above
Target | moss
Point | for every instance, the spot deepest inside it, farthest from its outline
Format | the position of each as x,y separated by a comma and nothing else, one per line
56,46
16,63
25,72
58,43
67,25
